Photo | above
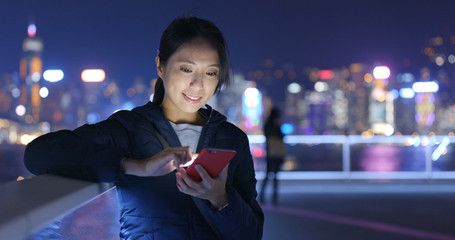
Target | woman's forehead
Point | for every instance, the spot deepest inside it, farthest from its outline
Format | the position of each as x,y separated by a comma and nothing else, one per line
198,51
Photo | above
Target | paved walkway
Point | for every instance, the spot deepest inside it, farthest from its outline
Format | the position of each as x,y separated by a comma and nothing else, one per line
360,210
317,210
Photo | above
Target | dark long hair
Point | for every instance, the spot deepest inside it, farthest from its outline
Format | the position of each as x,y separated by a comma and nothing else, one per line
183,30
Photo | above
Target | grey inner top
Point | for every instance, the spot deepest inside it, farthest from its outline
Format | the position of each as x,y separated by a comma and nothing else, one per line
188,134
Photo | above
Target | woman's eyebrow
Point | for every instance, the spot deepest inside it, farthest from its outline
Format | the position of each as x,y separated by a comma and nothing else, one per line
193,63
186,61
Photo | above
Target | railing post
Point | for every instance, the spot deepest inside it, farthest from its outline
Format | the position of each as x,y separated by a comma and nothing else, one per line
428,162
346,158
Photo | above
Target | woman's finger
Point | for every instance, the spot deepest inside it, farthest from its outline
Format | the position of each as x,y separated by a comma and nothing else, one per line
182,154
203,173
183,186
188,180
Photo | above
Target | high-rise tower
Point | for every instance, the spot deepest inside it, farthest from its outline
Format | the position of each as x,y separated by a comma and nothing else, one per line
30,72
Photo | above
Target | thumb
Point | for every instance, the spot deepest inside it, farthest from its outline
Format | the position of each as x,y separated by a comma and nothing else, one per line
224,172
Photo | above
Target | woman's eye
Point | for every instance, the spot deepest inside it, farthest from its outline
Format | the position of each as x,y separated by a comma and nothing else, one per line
212,73
185,70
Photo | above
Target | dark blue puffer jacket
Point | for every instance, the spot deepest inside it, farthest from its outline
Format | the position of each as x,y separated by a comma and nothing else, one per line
152,207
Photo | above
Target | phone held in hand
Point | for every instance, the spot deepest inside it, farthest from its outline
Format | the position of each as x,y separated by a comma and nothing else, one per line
213,160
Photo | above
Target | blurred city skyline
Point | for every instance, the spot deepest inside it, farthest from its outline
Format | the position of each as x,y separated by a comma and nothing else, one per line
313,60
122,37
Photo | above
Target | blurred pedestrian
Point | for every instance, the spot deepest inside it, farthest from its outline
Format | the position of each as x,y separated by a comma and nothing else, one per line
276,151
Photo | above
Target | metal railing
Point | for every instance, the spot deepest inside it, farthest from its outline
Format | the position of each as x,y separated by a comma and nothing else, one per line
31,204
439,142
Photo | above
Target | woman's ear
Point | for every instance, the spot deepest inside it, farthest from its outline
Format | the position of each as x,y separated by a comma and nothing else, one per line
159,68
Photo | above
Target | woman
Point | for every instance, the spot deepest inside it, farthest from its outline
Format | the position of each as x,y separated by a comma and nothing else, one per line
127,148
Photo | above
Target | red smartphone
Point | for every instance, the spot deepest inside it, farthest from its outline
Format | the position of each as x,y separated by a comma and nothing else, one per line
213,160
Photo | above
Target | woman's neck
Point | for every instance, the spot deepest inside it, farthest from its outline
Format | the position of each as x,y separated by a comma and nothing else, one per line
178,118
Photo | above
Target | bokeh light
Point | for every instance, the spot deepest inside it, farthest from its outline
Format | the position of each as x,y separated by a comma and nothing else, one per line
325,74
15,92
20,110
251,97
368,77
44,92
439,60
31,30
287,128
407,93
93,75
381,72
294,88
53,75
451,59
321,86
426,86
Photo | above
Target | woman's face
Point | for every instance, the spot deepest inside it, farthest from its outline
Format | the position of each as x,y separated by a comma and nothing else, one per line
190,77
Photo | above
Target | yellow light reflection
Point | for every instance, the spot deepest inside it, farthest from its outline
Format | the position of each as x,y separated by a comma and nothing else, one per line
368,77
26,139
355,67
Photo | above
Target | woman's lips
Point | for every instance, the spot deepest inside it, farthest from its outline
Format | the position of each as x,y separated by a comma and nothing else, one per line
191,99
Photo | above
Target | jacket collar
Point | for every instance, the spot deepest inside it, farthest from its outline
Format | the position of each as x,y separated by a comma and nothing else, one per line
155,114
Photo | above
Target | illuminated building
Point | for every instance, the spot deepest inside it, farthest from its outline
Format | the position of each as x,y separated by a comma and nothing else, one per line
381,114
425,104
93,80
252,110
440,51
30,72
294,110
8,95
228,102
358,100
405,104
325,110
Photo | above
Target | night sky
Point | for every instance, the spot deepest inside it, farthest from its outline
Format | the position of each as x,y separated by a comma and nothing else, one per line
122,37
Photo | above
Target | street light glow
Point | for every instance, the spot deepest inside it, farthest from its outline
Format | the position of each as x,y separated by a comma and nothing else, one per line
20,110
53,75
427,86
381,72
31,30
251,97
44,92
294,88
325,74
93,75
321,86
407,93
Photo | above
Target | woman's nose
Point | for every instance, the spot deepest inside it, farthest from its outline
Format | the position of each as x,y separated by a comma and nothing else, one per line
197,81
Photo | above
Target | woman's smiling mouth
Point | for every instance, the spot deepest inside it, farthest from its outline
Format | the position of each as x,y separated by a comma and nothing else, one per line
191,99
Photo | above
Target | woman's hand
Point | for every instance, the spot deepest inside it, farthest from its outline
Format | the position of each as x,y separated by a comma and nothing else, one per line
212,189
159,164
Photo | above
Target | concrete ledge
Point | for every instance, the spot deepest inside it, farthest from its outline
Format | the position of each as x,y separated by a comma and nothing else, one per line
31,204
